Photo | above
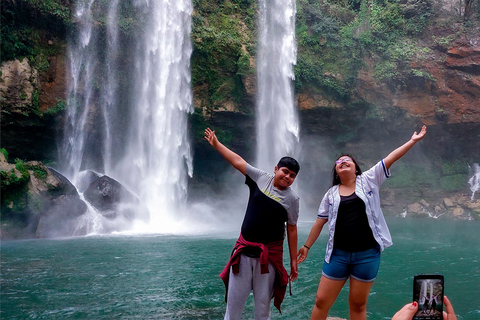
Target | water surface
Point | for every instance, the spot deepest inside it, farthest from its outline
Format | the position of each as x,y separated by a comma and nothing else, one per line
176,277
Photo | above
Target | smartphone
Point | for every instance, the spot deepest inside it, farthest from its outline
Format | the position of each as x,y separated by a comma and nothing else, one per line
428,292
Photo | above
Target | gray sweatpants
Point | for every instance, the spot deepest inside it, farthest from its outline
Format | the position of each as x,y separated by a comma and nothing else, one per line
240,285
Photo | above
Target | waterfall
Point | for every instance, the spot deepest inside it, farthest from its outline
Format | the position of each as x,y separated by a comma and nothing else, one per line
81,66
159,156
474,181
128,101
109,101
277,120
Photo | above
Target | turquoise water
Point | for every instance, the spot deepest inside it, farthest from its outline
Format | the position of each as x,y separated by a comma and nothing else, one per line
176,277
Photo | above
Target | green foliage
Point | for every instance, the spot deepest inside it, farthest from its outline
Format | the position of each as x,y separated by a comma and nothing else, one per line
5,153
223,45
60,106
21,166
422,74
445,41
38,171
386,71
417,15
13,189
36,100
28,25
454,182
334,37
53,8
413,176
244,65
454,167
453,176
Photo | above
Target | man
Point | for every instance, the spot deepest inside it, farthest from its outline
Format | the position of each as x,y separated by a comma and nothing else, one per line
257,258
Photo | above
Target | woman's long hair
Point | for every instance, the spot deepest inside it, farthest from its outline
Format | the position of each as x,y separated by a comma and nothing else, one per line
336,178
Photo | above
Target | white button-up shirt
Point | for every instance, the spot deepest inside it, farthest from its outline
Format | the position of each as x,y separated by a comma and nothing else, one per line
367,188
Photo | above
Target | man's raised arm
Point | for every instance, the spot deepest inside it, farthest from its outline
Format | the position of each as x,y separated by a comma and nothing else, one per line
235,160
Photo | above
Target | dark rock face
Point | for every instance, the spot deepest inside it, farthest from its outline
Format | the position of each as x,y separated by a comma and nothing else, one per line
61,219
108,195
63,186
86,178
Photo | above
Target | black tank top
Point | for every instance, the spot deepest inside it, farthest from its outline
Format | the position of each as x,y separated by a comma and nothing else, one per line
352,232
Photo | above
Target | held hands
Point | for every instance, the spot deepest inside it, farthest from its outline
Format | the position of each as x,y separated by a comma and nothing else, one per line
302,254
293,271
211,137
419,136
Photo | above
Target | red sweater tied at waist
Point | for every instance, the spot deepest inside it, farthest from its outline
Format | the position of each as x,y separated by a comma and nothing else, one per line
271,252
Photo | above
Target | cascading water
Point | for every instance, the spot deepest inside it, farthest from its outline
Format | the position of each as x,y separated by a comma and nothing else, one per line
129,100
109,93
277,120
81,63
474,181
159,157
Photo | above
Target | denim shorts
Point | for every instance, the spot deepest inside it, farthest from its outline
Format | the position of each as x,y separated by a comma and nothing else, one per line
362,266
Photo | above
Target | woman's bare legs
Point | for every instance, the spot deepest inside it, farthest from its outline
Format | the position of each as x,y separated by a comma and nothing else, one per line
357,299
327,292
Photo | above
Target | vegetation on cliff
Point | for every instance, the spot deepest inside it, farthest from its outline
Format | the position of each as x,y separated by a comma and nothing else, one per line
224,43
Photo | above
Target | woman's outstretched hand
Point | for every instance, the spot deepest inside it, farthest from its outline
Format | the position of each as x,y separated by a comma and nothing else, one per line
419,136
302,254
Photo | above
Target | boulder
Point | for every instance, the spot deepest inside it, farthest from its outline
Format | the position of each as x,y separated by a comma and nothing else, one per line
54,184
424,203
111,198
61,219
415,208
85,178
448,202
457,211
473,204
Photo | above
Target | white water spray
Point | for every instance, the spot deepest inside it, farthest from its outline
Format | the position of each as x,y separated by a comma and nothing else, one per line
277,119
159,156
474,181
79,96
129,120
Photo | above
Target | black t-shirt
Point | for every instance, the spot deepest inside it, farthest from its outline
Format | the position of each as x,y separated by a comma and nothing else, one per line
352,232
265,218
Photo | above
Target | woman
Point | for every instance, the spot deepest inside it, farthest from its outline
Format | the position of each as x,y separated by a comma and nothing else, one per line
358,231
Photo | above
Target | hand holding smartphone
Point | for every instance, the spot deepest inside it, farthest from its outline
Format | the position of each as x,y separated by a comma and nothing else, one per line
428,291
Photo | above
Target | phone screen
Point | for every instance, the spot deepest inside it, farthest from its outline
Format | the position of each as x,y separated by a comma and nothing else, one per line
428,292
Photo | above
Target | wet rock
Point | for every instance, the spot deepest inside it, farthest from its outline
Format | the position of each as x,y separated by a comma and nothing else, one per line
457,211
86,178
18,81
57,184
448,202
424,203
108,196
61,219
8,167
415,208
473,204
